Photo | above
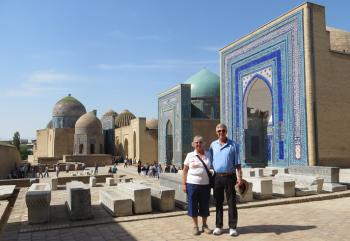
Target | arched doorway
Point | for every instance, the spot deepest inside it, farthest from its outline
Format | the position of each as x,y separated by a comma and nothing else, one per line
169,142
134,144
257,114
92,149
126,148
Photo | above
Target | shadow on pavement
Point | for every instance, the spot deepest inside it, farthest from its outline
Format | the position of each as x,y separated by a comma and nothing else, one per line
277,229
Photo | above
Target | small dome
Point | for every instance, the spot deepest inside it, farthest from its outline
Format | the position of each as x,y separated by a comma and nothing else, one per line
88,124
68,107
111,113
204,84
124,118
152,124
49,125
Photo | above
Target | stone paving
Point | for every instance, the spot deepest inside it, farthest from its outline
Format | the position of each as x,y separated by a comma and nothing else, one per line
303,221
322,220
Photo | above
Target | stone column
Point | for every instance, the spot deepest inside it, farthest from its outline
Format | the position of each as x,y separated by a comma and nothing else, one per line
309,86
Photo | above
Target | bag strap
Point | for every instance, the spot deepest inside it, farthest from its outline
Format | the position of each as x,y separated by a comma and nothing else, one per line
205,166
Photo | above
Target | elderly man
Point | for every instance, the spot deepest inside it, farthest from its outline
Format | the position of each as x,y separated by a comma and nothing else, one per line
226,163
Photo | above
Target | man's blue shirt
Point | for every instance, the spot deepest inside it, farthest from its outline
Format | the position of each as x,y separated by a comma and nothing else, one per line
224,157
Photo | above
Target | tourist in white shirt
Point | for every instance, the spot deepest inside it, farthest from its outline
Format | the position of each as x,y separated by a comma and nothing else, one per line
195,182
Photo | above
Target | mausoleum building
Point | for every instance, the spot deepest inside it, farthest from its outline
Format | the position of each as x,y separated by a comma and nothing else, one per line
188,109
136,137
285,91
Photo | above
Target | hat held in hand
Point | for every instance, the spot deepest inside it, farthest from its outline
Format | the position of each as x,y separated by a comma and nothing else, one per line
243,188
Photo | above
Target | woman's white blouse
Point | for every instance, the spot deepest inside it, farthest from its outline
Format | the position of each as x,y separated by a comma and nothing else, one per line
196,171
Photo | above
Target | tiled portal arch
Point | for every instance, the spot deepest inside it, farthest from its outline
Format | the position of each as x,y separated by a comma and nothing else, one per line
276,54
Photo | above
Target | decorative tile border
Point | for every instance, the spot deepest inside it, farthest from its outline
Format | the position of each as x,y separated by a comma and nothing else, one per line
175,105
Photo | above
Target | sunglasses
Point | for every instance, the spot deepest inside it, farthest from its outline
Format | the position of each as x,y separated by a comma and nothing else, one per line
222,130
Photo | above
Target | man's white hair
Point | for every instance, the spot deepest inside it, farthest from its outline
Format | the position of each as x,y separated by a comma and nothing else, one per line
221,126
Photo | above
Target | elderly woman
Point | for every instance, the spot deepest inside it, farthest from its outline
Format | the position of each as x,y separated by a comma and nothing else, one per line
195,182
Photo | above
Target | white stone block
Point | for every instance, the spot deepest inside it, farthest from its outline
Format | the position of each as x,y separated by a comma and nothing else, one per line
248,172
110,181
6,191
54,183
140,195
262,187
38,198
79,201
311,183
333,187
92,182
284,188
116,203
163,198
259,172
269,171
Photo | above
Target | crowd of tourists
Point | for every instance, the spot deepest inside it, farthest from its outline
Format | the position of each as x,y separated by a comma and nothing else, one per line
27,170
154,170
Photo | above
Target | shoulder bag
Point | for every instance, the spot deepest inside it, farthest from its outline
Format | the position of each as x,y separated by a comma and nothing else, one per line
210,175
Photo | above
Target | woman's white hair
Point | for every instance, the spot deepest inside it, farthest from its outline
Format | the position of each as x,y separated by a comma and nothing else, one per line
197,138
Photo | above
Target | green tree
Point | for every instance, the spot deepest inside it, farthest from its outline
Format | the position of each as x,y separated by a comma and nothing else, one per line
24,152
16,140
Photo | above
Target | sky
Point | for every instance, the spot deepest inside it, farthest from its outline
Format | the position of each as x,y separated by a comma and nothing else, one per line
116,54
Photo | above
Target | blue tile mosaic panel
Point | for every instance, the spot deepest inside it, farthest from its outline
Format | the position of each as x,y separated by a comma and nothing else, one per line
276,56
175,106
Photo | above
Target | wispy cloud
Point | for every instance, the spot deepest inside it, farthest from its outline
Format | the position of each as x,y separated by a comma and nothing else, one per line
58,53
30,90
166,64
49,77
40,82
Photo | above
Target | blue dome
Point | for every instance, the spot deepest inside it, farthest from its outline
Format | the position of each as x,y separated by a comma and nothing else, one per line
204,84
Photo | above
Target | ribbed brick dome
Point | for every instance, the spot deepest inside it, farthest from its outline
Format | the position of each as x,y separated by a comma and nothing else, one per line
124,118
111,113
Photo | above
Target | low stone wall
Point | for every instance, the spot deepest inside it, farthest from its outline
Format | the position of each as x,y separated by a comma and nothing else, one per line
90,160
70,165
9,157
24,182
50,161
328,174
84,179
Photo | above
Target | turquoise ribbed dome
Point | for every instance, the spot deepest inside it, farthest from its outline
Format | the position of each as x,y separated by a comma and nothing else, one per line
204,84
